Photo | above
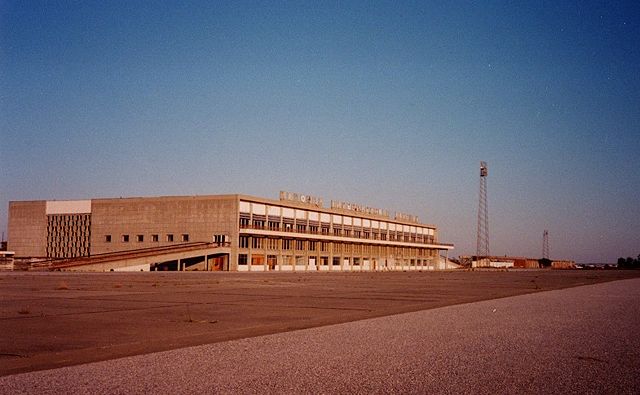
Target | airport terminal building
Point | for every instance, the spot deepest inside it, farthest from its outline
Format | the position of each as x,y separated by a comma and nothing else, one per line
236,233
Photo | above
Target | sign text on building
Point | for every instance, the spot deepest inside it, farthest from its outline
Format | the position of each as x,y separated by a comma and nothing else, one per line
300,198
406,217
359,208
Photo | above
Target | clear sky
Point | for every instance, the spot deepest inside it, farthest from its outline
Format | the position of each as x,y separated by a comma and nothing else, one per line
388,104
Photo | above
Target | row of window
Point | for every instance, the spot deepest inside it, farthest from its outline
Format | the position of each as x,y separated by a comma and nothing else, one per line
358,233
259,243
284,214
272,260
155,238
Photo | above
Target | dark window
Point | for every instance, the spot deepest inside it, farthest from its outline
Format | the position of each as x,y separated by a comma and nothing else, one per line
185,237
256,242
286,244
244,242
242,259
155,238
107,239
140,238
125,238
170,238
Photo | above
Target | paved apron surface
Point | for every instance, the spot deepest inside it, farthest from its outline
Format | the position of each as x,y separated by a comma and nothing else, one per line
581,340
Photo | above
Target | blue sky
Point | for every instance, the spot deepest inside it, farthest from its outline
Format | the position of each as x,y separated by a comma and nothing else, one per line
388,104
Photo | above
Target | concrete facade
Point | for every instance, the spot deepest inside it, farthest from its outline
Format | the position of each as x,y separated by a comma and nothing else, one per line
256,234
28,229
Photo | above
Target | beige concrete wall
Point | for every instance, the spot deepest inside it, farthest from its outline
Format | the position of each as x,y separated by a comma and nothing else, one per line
200,217
28,229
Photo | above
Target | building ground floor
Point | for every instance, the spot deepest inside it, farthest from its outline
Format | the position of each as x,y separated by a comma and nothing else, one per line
276,254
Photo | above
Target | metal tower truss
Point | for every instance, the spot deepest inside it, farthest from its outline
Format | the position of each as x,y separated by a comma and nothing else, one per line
482,250
545,244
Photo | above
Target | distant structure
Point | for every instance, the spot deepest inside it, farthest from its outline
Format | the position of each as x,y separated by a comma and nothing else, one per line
506,262
482,245
545,244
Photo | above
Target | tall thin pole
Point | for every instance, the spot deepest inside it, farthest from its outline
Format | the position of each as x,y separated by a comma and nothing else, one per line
482,242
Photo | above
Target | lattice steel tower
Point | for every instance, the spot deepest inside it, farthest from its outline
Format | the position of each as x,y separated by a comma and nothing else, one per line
545,244
482,250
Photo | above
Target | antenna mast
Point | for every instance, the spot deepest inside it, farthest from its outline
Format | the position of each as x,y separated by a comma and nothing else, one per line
482,250
545,244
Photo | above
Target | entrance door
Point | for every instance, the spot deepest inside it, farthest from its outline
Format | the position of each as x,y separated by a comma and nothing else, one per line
217,263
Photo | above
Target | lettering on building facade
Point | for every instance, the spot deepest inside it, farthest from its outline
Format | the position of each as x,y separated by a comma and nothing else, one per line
300,198
406,217
359,208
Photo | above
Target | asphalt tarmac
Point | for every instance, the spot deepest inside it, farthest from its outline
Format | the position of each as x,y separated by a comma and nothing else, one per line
50,320
575,340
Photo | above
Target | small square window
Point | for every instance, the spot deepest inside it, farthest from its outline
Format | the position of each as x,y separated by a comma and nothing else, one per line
154,238
107,238
125,238
170,238
140,238
185,237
